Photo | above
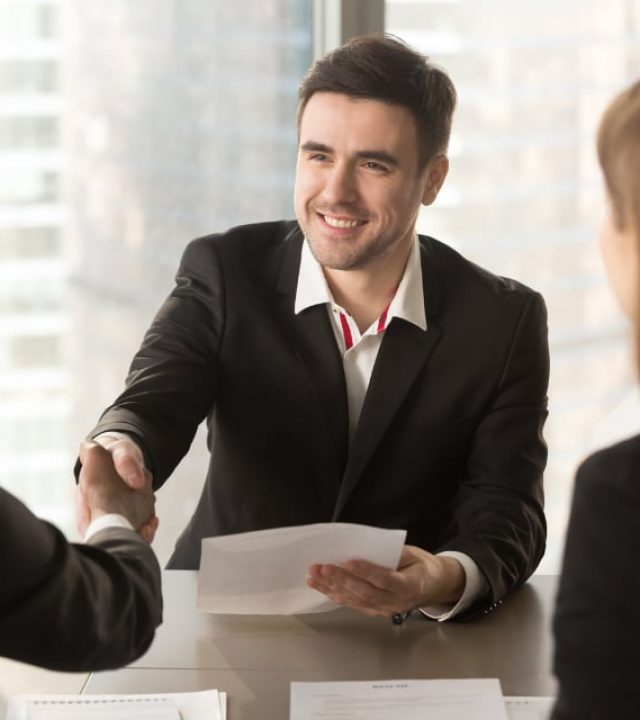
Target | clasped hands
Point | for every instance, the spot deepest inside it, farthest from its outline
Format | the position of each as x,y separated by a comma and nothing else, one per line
101,490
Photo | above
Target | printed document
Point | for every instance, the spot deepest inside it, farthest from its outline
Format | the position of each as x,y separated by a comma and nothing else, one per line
398,700
264,572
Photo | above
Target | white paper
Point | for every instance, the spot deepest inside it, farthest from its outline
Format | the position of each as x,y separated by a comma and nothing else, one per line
264,572
207,704
102,711
529,708
398,700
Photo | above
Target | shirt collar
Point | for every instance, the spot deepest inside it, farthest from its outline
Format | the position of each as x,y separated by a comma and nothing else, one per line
312,285
407,303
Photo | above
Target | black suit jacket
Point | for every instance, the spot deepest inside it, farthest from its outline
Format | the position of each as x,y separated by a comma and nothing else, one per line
74,607
449,444
597,620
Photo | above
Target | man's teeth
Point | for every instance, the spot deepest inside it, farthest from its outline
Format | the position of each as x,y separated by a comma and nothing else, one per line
337,223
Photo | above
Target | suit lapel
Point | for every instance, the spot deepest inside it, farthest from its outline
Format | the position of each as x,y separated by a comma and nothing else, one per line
319,352
404,351
311,336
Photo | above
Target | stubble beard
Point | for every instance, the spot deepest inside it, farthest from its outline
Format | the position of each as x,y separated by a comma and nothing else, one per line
344,253
345,256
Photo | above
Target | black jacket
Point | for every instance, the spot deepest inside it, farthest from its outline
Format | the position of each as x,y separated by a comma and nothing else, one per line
597,620
449,444
74,607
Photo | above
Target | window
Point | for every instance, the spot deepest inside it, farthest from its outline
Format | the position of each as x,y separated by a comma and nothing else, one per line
27,21
28,132
192,131
29,185
162,122
524,197
29,242
28,76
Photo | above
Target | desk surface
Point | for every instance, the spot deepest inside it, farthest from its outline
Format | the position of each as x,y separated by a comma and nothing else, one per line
254,658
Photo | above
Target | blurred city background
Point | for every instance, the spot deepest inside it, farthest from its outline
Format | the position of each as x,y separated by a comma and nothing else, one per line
129,127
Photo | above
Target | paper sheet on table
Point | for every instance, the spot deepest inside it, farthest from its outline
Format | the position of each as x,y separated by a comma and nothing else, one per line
264,572
204,705
398,700
529,708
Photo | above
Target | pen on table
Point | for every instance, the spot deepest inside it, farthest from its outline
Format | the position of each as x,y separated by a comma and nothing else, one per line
399,618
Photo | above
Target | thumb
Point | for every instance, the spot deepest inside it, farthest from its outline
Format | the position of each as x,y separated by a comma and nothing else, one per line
128,465
82,512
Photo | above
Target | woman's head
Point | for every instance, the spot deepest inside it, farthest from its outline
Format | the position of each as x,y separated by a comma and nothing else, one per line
619,155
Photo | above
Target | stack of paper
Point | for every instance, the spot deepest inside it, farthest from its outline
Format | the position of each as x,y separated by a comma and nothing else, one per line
205,705
529,708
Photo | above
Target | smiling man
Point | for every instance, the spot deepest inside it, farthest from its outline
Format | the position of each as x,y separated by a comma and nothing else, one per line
352,370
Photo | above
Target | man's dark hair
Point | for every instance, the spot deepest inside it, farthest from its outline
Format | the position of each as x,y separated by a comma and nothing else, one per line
382,67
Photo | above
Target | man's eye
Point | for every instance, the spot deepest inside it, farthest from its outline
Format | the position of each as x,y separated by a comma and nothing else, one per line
372,165
319,157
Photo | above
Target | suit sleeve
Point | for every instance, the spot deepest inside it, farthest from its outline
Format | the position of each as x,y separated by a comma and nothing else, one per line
597,621
498,514
171,383
74,607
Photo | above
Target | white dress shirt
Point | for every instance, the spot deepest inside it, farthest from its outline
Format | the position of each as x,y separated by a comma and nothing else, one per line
359,352
108,520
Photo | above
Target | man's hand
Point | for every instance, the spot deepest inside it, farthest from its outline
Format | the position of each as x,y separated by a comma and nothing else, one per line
127,459
421,579
101,490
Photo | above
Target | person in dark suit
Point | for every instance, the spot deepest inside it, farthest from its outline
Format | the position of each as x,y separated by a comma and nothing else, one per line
597,619
350,370
79,607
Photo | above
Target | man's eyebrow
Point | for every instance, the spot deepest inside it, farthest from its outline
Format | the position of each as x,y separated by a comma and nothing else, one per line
380,155
312,146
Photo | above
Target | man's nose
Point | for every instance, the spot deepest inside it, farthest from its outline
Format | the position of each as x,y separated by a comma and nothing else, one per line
340,185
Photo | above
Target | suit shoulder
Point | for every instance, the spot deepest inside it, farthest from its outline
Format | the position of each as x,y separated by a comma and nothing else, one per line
457,269
253,237
612,469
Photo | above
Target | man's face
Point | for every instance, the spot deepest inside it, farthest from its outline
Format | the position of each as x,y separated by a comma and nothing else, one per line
358,189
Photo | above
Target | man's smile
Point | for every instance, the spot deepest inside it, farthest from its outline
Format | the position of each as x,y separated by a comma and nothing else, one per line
341,223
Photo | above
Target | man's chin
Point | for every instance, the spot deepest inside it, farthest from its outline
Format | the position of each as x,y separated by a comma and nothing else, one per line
338,261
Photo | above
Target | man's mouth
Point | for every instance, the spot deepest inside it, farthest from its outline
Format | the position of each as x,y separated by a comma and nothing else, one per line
341,222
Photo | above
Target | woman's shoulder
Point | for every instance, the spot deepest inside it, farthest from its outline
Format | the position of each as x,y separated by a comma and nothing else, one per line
624,451
616,467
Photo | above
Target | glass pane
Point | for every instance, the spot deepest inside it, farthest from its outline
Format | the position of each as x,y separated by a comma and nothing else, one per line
126,130
524,198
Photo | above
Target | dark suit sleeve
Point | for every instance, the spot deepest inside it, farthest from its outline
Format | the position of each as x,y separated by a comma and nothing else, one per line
498,512
74,607
171,383
597,620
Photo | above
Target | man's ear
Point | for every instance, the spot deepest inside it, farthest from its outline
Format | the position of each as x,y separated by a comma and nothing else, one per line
435,174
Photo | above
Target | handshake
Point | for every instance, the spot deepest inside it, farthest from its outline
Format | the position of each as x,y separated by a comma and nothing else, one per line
113,480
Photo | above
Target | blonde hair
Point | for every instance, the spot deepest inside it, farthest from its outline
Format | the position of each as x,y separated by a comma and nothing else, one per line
619,155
